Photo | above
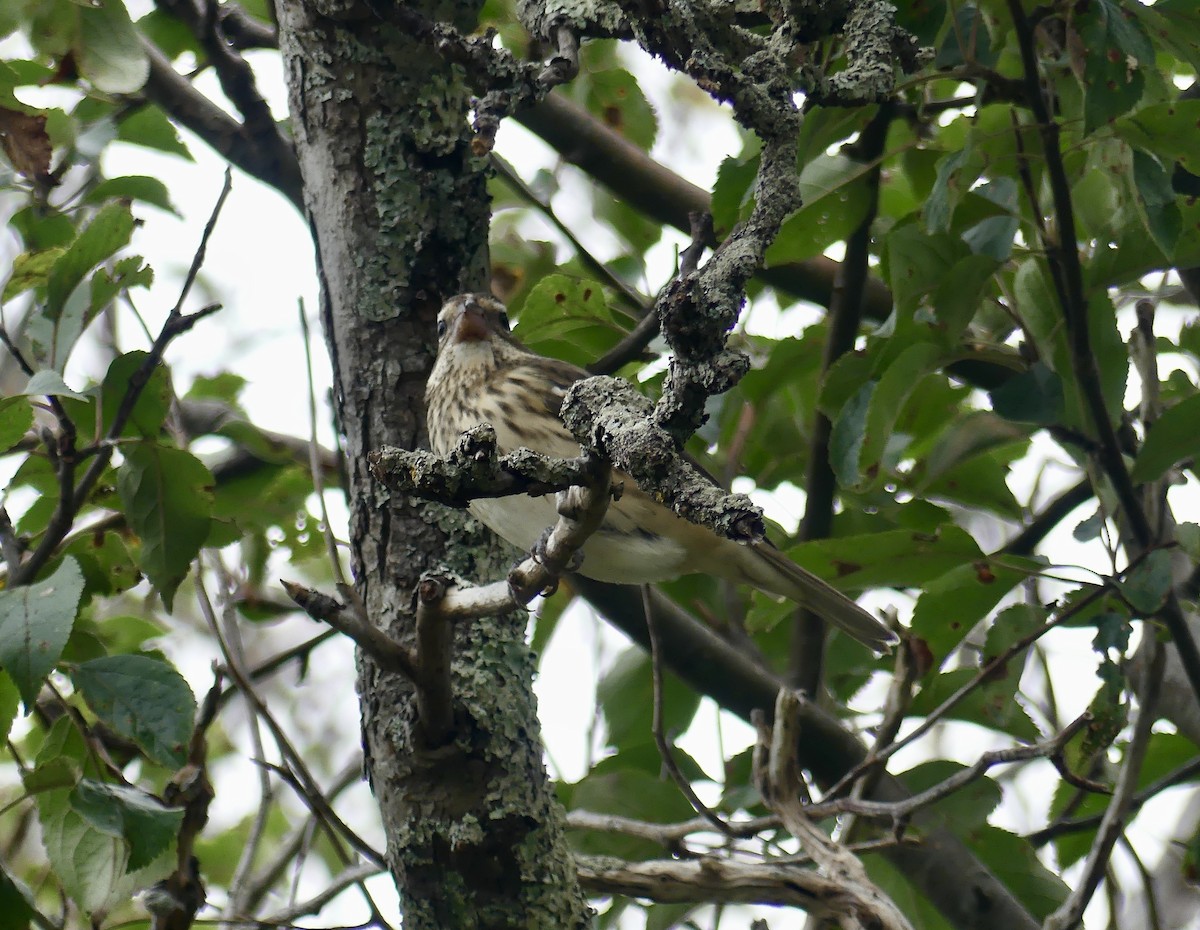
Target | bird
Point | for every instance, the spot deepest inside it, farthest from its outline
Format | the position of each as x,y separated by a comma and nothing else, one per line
484,374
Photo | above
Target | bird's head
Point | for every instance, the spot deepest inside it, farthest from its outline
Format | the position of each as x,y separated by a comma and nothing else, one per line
473,333
474,318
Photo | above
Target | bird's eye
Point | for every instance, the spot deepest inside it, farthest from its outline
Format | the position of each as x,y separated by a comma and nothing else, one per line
503,317
441,330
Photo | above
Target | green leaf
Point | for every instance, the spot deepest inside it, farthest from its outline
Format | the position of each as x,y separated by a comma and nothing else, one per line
224,386
10,700
1175,436
14,902
142,699
1147,585
962,810
87,862
169,33
993,236
107,565
48,381
972,434
630,793
1156,198
849,433
1014,624
568,318
958,297
1188,537
41,228
1175,24
35,623
128,272
949,187
133,187
130,813
1167,130
836,199
991,705
1117,50
148,127
951,605
616,97
1033,396
864,426
896,558
1016,864
967,40
823,128
626,698
16,418
108,231
915,266
167,495
979,483
109,53
30,270
153,403
49,775
733,191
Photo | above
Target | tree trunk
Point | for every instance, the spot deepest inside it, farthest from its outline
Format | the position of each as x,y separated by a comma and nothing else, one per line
399,212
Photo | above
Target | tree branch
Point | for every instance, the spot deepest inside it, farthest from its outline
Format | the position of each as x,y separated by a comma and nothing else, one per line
225,135
474,470
825,747
807,646
662,195
610,416
779,779
1070,913
714,881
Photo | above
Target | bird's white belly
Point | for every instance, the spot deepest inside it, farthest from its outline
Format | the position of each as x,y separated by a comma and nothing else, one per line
608,555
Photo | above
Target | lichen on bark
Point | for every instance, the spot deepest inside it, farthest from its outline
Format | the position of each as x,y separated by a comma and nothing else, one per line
397,200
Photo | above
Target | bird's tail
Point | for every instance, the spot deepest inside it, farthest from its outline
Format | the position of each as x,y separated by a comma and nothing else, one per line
770,570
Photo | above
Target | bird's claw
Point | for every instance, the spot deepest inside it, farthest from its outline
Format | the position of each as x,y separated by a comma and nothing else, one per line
541,556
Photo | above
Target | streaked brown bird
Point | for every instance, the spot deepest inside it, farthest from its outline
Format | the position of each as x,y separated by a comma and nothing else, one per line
484,375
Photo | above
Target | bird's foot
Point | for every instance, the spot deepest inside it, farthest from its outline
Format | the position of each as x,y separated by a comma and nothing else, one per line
541,555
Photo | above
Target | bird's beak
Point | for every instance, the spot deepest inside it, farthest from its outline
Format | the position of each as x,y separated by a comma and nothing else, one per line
470,326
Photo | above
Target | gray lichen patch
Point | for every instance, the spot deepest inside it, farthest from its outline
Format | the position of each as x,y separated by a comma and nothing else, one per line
610,416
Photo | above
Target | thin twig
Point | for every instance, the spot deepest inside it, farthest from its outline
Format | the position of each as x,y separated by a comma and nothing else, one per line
10,546
634,343
296,774
779,778
628,295
1185,773
807,645
388,653
229,637
261,883
314,461
1070,912
660,736
352,875
435,640
73,496
984,674
1027,540
1066,273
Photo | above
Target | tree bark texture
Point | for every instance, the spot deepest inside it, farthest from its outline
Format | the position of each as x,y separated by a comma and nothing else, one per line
399,213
